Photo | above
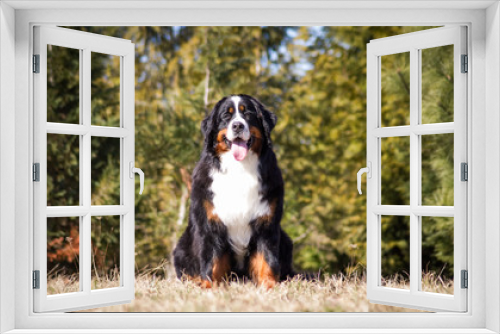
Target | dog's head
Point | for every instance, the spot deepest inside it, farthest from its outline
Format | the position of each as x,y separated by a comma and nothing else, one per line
238,124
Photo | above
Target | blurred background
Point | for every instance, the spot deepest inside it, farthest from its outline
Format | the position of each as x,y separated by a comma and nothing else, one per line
314,79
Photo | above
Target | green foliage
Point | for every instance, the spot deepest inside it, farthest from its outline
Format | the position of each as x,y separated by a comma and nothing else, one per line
395,235
105,240
314,79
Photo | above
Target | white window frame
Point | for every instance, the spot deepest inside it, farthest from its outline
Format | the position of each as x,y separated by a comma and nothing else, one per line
483,212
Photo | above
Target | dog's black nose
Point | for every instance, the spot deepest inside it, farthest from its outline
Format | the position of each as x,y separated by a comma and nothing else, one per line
238,127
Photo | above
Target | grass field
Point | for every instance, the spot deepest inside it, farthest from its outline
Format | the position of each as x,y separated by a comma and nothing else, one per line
334,293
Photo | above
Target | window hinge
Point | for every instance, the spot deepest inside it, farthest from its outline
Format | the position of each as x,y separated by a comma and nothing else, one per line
36,279
465,279
464,168
465,64
36,63
36,172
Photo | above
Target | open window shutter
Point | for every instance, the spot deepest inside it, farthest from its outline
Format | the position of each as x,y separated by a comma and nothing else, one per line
415,131
91,288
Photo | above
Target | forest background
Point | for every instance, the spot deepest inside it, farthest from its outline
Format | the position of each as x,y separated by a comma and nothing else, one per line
314,79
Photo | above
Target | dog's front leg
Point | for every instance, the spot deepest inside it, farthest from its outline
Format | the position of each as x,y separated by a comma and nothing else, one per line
214,256
264,267
206,263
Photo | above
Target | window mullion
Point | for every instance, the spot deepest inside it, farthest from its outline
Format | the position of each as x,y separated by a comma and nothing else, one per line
81,263
85,273
418,126
414,171
108,210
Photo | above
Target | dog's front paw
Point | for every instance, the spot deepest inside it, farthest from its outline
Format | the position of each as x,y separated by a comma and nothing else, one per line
268,284
206,284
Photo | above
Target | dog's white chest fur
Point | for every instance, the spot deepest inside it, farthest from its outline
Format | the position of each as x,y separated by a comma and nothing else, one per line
237,199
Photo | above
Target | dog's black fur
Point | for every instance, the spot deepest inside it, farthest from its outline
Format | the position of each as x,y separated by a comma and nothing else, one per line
203,251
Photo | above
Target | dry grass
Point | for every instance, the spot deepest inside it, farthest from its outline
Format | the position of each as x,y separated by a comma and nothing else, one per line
335,293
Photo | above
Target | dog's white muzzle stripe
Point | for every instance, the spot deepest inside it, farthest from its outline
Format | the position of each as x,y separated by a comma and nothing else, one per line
245,134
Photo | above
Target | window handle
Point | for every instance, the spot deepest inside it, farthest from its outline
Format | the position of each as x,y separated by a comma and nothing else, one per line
134,170
368,171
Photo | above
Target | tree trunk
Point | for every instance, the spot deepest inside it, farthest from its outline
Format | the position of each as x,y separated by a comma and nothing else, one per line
207,76
185,190
182,205
207,88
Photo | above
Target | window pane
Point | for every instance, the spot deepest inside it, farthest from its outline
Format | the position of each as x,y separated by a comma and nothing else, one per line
437,169
105,252
395,94
395,173
105,171
63,84
437,84
63,170
395,231
105,90
63,255
437,254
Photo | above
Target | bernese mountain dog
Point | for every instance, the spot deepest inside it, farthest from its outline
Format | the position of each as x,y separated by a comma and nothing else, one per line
236,200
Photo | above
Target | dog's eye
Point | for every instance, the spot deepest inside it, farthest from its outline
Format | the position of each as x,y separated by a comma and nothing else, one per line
225,116
242,108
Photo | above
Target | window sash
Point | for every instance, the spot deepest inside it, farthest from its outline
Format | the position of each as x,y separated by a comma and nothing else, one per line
87,297
413,43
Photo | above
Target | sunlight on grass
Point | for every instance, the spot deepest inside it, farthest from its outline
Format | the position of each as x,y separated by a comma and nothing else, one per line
333,293
62,284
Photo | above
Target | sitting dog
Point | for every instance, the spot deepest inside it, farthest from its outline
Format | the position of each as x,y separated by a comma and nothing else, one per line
236,200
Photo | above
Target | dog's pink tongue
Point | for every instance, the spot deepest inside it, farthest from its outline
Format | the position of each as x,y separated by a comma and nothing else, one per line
239,149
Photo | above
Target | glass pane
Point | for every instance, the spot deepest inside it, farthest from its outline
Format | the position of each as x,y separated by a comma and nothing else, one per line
105,90
437,84
105,252
105,171
63,255
63,170
395,170
437,254
395,252
437,169
63,84
395,95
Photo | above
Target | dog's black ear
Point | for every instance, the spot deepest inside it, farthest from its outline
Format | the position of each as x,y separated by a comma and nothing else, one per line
267,117
210,123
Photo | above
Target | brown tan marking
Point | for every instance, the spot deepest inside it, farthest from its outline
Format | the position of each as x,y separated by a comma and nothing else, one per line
221,144
231,110
267,219
241,108
257,139
209,208
206,284
261,272
221,268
